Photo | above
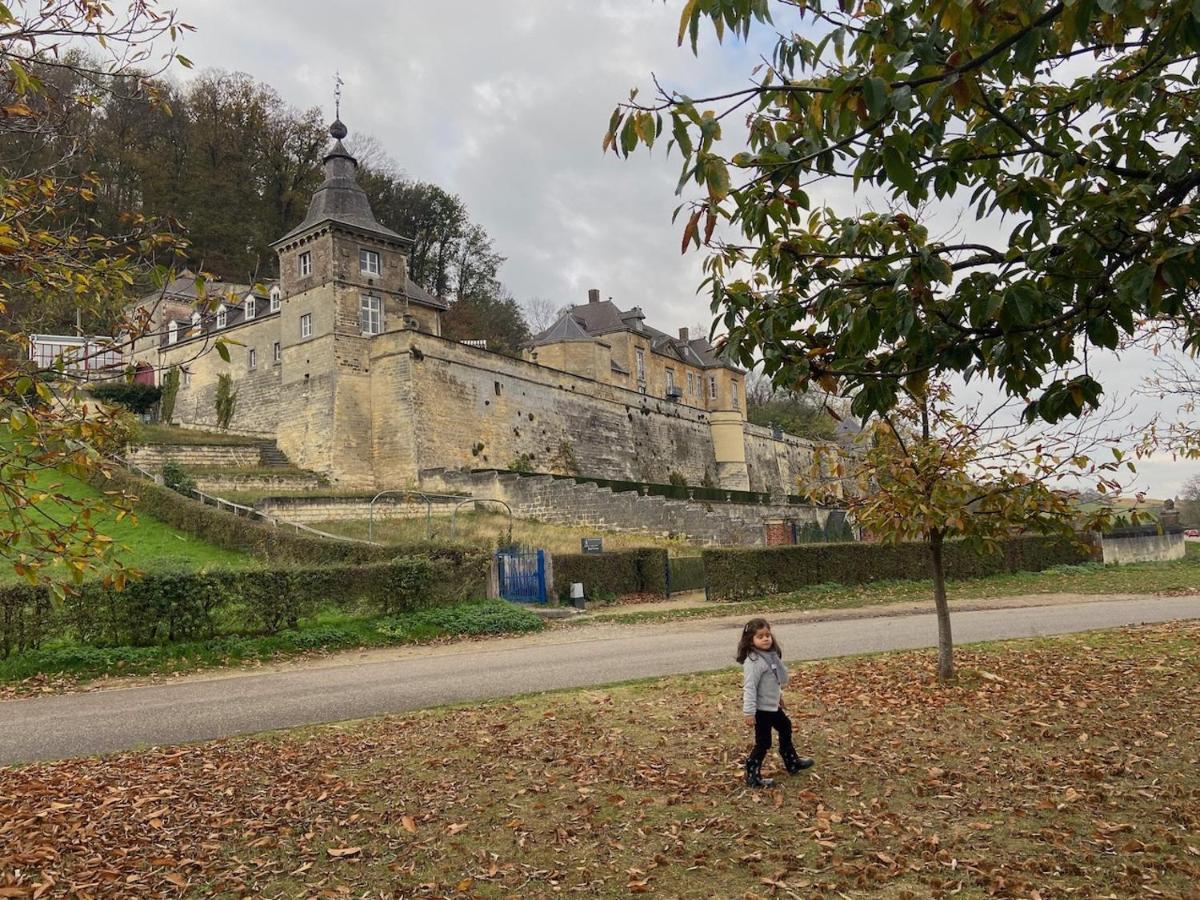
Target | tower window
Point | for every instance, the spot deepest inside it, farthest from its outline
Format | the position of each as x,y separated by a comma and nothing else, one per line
733,394
641,364
304,261
186,379
712,387
306,325
277,352
368,262
370,314
252,357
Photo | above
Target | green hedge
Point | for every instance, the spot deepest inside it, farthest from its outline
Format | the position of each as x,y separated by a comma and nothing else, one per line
177,606
640,571
136,397
742,574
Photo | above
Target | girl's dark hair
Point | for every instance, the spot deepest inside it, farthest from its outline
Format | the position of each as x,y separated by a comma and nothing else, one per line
746,642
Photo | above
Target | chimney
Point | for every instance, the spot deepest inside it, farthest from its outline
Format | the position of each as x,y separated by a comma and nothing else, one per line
594,295
683,335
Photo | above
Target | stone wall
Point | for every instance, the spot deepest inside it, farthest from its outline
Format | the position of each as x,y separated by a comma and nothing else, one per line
469,408
217,484
153,457
307,510
1143,548
777,465
563,501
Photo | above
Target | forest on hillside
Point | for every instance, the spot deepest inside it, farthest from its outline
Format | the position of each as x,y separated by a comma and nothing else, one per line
225,161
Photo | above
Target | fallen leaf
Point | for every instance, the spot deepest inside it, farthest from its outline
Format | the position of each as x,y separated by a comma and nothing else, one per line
341,852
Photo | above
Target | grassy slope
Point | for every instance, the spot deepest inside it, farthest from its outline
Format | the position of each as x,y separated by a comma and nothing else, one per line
146,544
1055,767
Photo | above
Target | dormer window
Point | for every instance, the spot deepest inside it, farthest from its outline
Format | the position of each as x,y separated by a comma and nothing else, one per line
368,262
196,322
275,299
304,262
172,332
222,316
249,306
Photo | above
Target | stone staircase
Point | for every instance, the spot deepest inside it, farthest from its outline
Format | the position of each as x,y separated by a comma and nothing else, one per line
566,502
215,467
269,455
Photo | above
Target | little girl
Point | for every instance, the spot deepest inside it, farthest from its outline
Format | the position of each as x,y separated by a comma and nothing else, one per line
764,676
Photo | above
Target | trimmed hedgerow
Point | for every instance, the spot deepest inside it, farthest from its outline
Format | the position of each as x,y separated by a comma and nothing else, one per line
639,571
489,617
167,607
742,574
134,396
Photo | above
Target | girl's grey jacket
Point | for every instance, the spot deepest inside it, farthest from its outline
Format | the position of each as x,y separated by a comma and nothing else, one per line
763,675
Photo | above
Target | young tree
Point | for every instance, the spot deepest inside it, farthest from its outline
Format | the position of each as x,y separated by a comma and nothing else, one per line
51,252
926,472
1075,126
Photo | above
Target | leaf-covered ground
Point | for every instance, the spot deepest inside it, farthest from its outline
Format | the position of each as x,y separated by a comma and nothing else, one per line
1053,768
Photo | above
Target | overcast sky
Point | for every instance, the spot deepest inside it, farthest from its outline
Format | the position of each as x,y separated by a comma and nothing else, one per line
505,104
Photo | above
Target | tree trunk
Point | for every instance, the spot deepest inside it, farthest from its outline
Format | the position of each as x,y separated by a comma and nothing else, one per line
945,642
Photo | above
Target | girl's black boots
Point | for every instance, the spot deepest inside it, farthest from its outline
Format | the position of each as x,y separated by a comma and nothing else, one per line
794,762
754,777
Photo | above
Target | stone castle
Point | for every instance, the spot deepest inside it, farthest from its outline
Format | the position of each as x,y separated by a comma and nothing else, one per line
342,362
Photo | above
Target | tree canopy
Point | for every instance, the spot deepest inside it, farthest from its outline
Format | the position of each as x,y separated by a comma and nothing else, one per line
1071,129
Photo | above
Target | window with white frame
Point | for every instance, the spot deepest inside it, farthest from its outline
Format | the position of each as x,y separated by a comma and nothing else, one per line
252,358
712,387
275,299
304,260
249,307
640,355
306,325
368,262
370,314
196,322
222,316
276,353
670,381
733,395
172,332
691,382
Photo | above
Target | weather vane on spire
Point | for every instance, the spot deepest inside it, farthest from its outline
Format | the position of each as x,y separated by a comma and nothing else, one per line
337,94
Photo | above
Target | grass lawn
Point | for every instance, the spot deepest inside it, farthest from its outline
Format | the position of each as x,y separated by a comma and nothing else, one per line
147,544
1175,577
1052,768
485,529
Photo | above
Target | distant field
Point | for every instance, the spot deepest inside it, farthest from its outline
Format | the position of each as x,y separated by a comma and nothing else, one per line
146,544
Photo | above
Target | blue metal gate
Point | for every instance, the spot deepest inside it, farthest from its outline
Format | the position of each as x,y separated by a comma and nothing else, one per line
522,575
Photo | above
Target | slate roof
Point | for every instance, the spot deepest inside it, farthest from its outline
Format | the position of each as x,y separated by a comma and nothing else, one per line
415,292
589,321
340,199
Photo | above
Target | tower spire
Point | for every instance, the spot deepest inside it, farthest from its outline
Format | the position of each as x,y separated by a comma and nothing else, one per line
337,95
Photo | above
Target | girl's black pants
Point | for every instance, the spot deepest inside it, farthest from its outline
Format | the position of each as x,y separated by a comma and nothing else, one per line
764,721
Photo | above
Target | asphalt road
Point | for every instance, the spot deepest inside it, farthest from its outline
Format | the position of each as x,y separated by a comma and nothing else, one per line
61,726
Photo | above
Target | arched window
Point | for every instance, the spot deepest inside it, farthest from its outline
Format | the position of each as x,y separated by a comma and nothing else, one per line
222,316
249,306
172,332
275,299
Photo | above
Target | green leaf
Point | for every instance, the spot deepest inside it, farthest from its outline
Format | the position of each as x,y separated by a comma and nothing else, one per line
875,92
222,350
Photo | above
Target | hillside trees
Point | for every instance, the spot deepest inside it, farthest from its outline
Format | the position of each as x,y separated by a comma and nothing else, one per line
51,252
1073,130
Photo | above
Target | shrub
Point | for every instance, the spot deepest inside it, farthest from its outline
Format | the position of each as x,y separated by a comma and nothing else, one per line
640,571
27,617
177,479
225,400
743,574
170,388
136,397
677,479
522,464
490,617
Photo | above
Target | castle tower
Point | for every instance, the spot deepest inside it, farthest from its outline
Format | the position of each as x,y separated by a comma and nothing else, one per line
343,282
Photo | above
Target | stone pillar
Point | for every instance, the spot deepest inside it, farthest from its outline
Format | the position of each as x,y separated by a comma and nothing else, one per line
729,446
